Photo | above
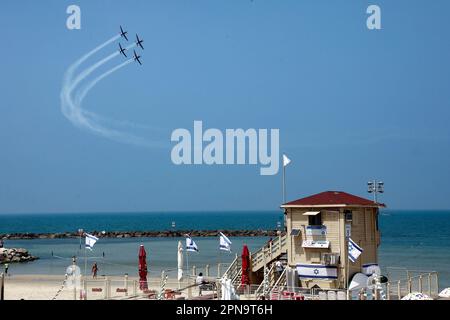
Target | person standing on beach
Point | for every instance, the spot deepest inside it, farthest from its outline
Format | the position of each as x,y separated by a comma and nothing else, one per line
200,281
94,270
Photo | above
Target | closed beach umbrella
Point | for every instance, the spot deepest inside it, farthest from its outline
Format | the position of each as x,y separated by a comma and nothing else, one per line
245,279
180,259
142,268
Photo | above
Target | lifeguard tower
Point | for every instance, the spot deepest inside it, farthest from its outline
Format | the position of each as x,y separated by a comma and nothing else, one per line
318,228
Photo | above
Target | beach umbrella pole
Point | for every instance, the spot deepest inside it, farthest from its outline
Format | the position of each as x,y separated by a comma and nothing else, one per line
187,264
85,263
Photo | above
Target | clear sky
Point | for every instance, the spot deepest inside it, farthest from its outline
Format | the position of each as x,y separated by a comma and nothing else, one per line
351,104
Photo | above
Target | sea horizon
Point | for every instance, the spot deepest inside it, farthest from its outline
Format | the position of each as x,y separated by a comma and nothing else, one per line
203,211
416,240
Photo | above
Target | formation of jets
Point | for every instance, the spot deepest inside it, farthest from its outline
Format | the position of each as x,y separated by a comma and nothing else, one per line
139,42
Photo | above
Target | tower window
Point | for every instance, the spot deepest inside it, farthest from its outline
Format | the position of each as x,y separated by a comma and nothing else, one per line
315,220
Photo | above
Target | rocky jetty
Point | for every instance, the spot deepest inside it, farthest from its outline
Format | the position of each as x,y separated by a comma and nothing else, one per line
15,255
144,234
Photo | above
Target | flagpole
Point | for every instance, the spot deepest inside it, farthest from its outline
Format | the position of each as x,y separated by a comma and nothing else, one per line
220,261
187,264
85,263
348,272
284,183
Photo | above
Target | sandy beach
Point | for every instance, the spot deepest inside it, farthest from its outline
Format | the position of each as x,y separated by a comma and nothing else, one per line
49,287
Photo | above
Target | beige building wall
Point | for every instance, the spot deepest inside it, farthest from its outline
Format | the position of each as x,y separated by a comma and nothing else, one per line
363,232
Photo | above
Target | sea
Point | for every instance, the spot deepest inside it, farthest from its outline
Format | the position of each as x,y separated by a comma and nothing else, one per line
415,240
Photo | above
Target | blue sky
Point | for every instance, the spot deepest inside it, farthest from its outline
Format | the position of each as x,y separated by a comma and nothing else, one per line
351,104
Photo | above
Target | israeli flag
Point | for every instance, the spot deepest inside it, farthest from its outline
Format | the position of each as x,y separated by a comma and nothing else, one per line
317,271
90,241
225,243
354,250
191,245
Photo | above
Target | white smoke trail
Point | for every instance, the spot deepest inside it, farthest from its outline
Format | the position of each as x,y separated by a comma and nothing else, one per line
72,109
73,67
91,84
94,67
89,70
68,109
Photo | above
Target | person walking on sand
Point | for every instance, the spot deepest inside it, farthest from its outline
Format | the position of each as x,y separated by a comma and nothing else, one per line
94,270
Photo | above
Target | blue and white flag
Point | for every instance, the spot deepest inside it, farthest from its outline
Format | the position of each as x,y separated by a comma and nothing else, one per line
225,243
353,250
90,241
316,271
191,245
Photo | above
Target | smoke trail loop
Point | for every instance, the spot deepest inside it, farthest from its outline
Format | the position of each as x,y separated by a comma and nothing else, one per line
71,107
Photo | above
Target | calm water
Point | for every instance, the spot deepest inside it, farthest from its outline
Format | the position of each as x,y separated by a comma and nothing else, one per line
43,223
417,240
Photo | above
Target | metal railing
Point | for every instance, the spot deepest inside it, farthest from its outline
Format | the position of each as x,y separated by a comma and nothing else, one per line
271,281
416,281
233,269
252,292
280,284
157,289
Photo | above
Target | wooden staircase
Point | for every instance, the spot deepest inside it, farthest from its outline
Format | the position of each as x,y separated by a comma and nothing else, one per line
234,271
265,255
270,252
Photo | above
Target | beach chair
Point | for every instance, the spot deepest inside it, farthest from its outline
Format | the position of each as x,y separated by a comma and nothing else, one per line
169,294
298,296
274,295
342,295
151,294
323,295
288,295
332,295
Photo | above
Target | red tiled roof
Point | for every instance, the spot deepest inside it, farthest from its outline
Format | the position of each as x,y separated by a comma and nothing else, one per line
333,198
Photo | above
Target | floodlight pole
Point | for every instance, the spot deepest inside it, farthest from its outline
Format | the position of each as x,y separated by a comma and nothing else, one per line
347,273
375,187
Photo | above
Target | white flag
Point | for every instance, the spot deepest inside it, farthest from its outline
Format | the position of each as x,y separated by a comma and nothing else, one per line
225,243
286,160
90,241
354,250
191,245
